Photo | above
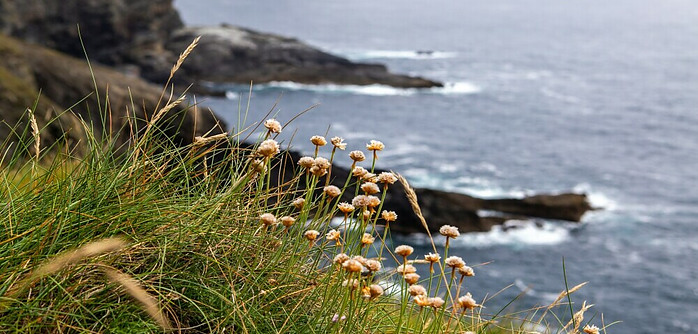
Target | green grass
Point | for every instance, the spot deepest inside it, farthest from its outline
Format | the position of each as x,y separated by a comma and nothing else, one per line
190,239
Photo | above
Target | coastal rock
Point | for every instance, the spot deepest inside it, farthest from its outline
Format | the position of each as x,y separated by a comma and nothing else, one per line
145,37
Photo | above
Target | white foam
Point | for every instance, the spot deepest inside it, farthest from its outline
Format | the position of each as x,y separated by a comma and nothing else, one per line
596,199
232,95
397,54
449,88
516,233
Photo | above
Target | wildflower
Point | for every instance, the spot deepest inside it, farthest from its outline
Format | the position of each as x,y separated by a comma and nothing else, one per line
352,266
311,235
272,125
267,219
332,191
370,188
467,302
389,216
367,239
432,257
375,145
417,290
449,231
287,221
359,171
406,269
404,250
341,258
333,235
367,215
318,140
455,262
369,177
591,329
352,283
338,142
306,162
268,148
360,201
466,271
436,302
357,156
360,258
366,292
258,165
376,290
411,278
322,163
387,178
336,318
298,203
422,300
345,207
373,201
317,171
373,265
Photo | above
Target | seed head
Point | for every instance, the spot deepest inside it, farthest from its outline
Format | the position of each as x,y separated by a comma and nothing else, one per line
317,171
367,214
258,165
449,231
360,258
322,163
332,191
406,269
432,257
367,239
436,302
272,125
369,177
338,142
389,216
404,250
268,148
332,235
411,278
417,290
373,265
345,207
422,300
467,302
591,329
298,203
466,271
373,201
359,171
318,140
267,219
370,188
351,283
311,235
357,156
455,262
306,162
287,221
387,178
376,290
341,258
360,201
352,266
375,145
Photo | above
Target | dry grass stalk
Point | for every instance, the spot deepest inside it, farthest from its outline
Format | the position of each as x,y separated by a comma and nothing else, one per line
578,317
201,140
35,134
184,55
66,259
564,294
134,289
412,198
158,115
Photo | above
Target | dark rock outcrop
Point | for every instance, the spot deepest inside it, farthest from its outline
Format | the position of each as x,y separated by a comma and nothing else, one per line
145,37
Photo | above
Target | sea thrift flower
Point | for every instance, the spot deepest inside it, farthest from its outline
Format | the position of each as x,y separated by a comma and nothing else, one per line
338,142
359,171
417,290
373,265
367,215
375,145
317,171
360,258
311,235
298,203
387,178
376,290
345,207
360,201
406,269
341,258
467,302
268,148
318,140
357,156
267,219
591,329
366,292
449,231
369,177
466,271
422,300
404,250
272,125
352,266
455,262
287,221
432,257
389,216
332,191
258,165
352,283
306,162
373,201
370,188
333,235
436,302
322,163
367,239
411,278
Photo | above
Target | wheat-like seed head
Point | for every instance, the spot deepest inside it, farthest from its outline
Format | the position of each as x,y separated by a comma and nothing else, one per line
184,55
35,133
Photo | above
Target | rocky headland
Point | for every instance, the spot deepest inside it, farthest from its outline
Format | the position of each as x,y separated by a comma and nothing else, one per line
133,45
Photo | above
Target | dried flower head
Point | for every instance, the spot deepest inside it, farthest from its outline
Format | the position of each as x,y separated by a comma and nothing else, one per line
360,258
311,235
365,292
375,145
436,302
387,178
449,231
422,300
466,271
406,269
317,171
360,201
322,163
258,165
455,262
389,216
404,250
338,142
373,265
370,188
357,156
352,283
268,148
411,278
417,290
298,203
332,235
591,329
369,177
467,302
306,162
376,290
373,201
367,239
267,219
359,171
353,266
318,140
341,258
332,191
432,257
272,125
287,221
367,215
345,207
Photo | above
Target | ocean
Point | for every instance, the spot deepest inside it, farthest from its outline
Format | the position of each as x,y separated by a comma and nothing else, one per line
541,96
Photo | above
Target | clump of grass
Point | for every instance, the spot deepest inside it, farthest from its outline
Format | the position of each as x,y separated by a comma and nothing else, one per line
196,244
